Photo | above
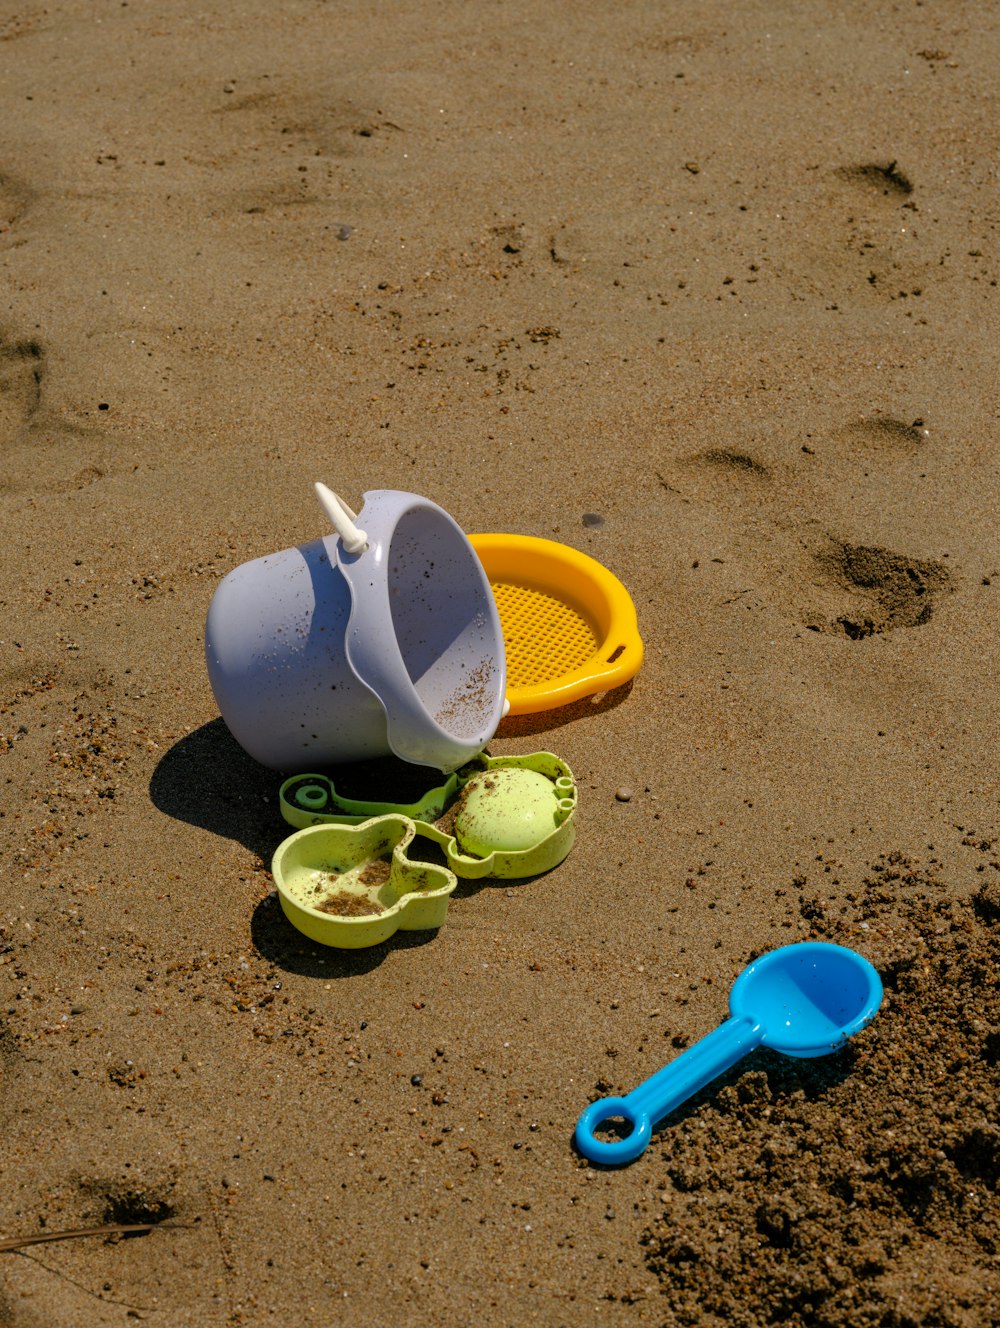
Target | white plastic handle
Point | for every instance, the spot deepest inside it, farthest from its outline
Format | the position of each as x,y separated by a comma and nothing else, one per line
342,519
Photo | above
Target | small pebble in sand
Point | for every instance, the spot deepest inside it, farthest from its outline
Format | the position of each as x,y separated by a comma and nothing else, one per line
593,520
624,793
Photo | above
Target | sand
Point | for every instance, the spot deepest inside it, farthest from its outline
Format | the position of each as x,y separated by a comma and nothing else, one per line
707,291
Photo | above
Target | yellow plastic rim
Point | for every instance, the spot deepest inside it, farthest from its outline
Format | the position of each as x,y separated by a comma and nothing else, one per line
569,625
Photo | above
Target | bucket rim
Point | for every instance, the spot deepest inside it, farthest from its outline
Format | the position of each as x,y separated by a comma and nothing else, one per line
372,649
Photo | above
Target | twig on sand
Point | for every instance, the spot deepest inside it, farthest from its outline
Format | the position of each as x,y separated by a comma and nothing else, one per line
115,1228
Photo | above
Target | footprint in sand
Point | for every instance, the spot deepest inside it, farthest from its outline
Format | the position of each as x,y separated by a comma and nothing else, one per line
726,458
123,1203
14,201
21,364
886,179
9,1050
886,435
825,583
887,590
306,138
878,236
26,427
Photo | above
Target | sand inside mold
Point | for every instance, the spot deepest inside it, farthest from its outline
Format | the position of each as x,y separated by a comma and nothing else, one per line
704,291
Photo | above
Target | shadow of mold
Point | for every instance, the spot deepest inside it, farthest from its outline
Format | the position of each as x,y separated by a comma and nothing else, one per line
281,944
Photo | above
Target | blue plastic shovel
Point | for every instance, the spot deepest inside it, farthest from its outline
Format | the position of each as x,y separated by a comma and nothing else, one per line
802,1000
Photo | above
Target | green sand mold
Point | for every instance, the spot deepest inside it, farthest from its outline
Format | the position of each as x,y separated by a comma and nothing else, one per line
353,886
522,823
314,800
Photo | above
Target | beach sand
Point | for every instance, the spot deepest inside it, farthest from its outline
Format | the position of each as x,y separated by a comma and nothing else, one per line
723,276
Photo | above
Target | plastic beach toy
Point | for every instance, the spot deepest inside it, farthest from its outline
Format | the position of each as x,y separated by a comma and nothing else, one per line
365,642
507,810
569,625
498,816
802,1000
353,886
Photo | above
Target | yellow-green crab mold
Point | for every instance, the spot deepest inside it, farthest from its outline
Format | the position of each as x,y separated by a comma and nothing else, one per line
498,816
353,886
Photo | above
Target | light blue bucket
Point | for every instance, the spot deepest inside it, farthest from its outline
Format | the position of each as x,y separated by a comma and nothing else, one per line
360,644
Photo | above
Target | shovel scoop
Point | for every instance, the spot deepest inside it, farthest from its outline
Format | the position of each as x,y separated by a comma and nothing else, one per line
803,1000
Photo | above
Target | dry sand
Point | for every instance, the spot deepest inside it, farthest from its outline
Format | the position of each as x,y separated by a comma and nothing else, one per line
724,275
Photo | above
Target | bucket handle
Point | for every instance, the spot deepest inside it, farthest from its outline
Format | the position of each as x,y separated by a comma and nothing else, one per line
342,519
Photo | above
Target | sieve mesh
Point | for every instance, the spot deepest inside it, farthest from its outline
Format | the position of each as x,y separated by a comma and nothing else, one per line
544,637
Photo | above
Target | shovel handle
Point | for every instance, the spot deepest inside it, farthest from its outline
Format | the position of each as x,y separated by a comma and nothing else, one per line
663,1092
